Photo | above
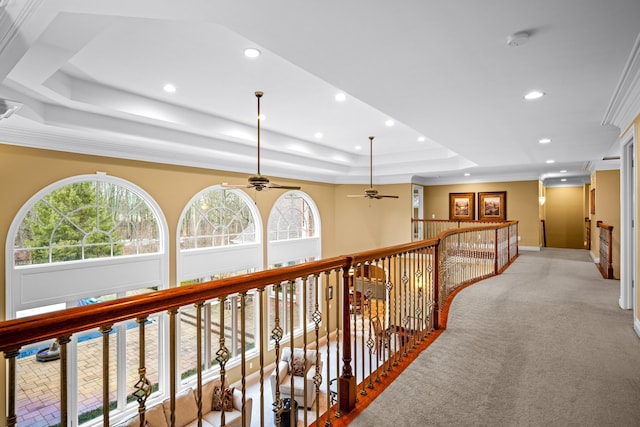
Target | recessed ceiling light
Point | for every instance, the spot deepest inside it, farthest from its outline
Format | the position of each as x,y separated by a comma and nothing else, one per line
551,161
467,174
341,97
563,171
358,147
262,117
169,88
252,52
318,135
563,179
544,140
535,94
422,139
389,123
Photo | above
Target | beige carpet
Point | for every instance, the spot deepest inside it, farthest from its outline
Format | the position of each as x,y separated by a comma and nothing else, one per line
543,344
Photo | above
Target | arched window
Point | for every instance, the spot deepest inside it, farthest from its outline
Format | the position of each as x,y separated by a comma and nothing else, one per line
79,241
218,237
294,238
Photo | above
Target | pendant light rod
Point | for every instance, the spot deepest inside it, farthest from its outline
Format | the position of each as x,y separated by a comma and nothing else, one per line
259,95
371,162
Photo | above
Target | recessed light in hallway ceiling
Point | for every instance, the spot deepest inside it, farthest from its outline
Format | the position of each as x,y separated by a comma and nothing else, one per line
252,52
534,94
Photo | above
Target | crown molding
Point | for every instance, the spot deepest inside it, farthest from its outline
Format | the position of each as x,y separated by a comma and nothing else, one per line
13,13
624,106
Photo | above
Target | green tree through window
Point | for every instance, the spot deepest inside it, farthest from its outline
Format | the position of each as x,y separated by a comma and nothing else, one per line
84,220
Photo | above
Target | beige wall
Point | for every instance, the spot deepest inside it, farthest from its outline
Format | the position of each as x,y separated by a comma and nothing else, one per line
564,216
607,195
522,204
363,224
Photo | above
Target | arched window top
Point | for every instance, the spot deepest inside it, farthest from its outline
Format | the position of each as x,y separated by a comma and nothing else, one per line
218,217
293,216
86,217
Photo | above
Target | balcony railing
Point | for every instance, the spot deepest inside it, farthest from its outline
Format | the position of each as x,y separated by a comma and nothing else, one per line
385,304
430,228
605,264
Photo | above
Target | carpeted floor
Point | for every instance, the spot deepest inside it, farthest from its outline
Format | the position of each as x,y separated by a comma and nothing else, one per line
543,344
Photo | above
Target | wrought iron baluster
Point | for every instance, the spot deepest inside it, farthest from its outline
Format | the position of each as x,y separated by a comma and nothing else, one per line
276,335
243,357
64,379
261,357
143,386
222,355
199,331
105,330
10,357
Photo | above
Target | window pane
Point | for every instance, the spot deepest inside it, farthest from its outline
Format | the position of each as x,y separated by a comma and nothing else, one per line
90,362
291,218
38,386
217,218
84,220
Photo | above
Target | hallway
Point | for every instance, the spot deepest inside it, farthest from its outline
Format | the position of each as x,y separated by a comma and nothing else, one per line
543,344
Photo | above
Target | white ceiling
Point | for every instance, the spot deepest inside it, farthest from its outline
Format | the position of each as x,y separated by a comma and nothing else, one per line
90,74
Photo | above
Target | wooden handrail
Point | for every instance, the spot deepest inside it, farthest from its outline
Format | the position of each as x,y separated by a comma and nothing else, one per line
19,332
601,224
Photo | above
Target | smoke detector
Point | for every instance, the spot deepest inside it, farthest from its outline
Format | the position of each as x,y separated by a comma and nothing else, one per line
518,39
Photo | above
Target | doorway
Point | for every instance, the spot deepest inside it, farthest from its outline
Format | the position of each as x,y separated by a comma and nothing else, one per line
628,239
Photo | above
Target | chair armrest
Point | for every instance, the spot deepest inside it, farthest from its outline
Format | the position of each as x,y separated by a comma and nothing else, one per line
237,400
283,367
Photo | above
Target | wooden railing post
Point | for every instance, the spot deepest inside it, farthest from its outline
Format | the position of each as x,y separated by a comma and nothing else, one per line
436,286
496,251
347,382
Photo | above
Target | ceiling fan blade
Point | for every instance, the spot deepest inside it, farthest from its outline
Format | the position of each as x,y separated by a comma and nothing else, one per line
227,185
283,187
382,196
356,195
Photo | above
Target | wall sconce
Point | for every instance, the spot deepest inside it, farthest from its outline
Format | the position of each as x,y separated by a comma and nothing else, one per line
542,199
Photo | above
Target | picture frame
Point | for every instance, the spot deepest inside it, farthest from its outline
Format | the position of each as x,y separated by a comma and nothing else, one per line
462,206
592,200
492,206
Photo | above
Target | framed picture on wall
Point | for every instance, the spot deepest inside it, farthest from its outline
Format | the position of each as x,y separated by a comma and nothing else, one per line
492,206
592,201
462,206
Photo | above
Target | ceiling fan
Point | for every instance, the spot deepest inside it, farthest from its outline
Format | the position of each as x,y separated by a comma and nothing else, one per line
371,193
260,182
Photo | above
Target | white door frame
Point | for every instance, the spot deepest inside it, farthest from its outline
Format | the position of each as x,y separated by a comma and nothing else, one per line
628,238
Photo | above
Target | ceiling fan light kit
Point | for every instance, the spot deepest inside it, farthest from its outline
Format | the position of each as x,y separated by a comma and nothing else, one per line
258,181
